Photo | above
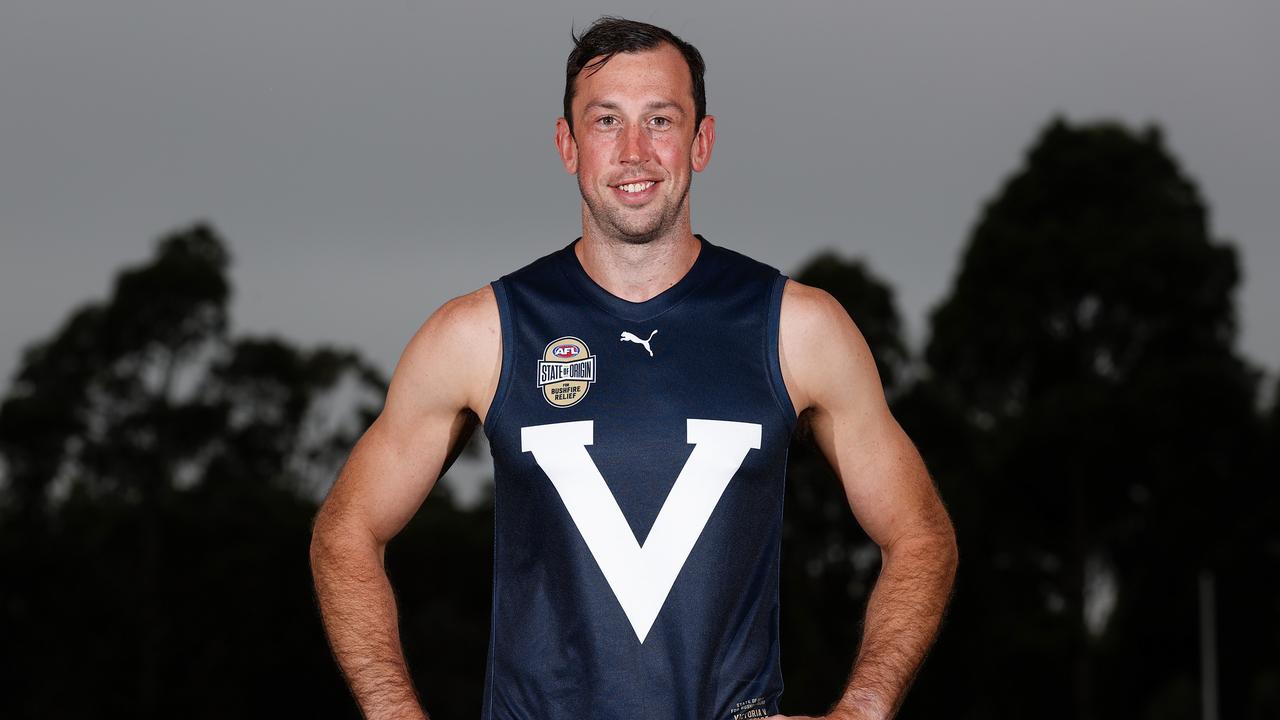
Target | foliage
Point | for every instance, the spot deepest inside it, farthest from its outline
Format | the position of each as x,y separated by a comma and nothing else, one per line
159,500
1107,432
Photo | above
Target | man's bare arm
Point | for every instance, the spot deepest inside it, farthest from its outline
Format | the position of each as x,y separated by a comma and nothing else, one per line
426,420
831,373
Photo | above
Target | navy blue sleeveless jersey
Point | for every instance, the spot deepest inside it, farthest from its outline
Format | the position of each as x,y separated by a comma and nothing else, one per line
639,454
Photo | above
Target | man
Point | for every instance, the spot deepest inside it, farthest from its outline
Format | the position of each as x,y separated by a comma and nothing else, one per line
639,388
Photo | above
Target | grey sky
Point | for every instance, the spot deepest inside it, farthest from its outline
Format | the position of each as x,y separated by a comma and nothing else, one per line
367,161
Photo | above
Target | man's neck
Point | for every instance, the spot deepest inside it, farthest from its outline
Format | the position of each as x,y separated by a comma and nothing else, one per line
637,272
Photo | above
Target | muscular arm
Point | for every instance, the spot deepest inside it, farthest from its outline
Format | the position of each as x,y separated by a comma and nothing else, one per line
427,418
831,373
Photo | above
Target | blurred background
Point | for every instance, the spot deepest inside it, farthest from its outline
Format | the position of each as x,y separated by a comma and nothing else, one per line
1055,224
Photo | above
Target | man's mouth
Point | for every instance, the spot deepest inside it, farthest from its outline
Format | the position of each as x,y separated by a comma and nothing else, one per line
635,187
637,191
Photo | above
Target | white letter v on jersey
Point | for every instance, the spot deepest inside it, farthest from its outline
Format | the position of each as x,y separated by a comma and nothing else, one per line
641,577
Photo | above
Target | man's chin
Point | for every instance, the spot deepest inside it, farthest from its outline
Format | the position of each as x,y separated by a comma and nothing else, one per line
637,234
632,225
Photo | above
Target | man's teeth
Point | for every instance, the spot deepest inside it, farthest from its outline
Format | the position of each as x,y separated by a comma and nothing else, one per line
635,187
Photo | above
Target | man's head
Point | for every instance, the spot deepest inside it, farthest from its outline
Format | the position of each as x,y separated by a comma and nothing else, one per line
635,112
608,36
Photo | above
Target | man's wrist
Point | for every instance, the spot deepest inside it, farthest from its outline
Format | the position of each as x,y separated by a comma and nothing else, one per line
858,709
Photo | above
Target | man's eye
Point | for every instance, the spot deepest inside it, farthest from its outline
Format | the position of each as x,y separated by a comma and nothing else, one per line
662,122
602,121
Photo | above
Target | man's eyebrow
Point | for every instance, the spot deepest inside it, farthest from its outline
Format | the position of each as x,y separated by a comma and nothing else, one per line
651,105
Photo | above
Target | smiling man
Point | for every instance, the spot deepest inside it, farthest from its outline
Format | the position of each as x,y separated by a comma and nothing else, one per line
639,388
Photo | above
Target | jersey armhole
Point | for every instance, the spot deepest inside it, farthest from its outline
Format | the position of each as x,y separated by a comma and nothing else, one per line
772,361
508,357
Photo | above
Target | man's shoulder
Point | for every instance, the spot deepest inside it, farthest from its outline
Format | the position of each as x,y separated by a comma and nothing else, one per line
472,314
818,342
467,324
808,308
453,352
809,319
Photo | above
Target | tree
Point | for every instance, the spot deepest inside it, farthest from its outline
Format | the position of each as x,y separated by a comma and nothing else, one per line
157,505
1103,425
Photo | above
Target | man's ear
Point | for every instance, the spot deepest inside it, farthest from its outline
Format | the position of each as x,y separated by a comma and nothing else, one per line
567,146
703,141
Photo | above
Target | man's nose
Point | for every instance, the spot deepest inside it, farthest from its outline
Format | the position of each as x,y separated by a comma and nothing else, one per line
635,145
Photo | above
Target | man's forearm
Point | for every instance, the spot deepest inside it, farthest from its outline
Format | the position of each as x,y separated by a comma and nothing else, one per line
904,613
358,608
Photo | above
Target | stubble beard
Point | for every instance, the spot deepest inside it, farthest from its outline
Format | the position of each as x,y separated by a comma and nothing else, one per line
618,223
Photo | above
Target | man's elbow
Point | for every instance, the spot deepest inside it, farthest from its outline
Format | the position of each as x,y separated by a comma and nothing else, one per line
940,536
320,538
951,551
934,545
942,540
336,537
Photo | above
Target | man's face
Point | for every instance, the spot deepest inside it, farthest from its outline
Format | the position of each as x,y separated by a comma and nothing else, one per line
636,145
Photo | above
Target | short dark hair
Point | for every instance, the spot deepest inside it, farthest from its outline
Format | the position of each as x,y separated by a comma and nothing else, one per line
610,35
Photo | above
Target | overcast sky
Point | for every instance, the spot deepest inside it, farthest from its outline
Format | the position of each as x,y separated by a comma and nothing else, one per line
367,161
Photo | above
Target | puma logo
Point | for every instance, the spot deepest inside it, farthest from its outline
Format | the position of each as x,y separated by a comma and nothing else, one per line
632,338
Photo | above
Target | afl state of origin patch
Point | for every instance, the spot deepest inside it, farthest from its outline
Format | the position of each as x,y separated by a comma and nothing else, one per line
566,371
